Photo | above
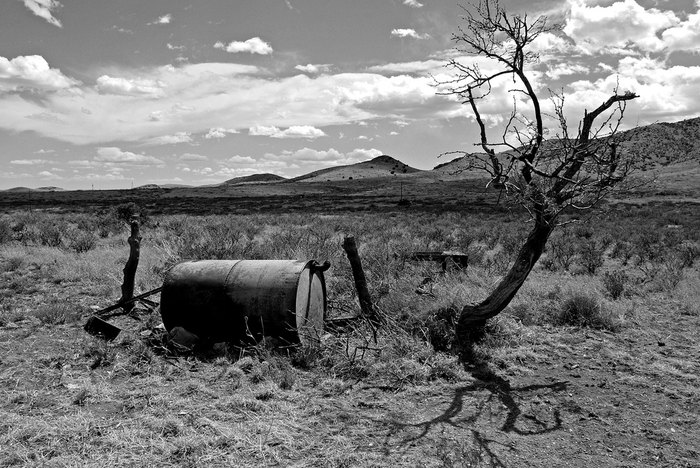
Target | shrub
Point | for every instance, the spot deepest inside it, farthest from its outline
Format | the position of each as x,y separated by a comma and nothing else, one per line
615,282
687,252
439,328
563,249
582,310
671,272
81,241
591,254
57,312
50,233
5,231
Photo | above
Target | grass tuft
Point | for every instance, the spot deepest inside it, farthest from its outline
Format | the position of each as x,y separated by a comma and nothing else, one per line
584,310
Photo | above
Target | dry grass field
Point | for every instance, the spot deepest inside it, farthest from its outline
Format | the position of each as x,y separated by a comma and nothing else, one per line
595,363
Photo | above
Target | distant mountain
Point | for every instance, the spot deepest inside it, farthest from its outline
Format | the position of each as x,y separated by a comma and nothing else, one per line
38,189
660,144
254,179
381,166
19,189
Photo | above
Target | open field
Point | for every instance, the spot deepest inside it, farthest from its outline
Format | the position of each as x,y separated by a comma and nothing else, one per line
596,361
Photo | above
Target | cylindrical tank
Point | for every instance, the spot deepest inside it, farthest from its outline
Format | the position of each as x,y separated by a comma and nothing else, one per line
234,300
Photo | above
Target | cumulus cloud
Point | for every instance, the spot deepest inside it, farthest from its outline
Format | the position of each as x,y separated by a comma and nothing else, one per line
44,9
416,67
330,157
112,154
192,157
685,35
413,3
178,137
407,32
199,97
254,45
125,86
314,69
664,91
240,160
295,131
556,71
601,28
219,132
165,19
48,175
31,72
29,162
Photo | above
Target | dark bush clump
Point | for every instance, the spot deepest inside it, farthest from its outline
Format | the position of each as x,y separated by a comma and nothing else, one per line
615,282
582,310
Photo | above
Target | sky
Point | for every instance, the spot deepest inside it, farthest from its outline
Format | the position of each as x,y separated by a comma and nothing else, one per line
118,93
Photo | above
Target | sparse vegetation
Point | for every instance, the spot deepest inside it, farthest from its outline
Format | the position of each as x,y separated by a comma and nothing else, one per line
206,407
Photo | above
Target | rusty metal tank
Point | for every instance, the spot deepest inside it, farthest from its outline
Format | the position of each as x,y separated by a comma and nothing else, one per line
244,300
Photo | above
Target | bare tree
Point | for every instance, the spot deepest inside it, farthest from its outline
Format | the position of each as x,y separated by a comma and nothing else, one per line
543,167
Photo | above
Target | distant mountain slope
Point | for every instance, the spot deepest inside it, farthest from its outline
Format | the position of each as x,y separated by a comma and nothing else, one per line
254,179
19,189
381,166
660,144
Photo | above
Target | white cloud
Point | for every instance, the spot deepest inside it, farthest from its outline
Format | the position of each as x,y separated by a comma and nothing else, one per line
685,35
192,157
295,131
174,47
219,132
330,157
406,32
179,137
44,9
314,69
31,72
556,71
413,3
48,175
599,28
240,160
111,154
199,97
417,67
664,92
254,45
165,19
129,87
29,162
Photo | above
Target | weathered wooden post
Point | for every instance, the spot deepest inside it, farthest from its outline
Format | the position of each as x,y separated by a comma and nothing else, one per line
366,305
130,268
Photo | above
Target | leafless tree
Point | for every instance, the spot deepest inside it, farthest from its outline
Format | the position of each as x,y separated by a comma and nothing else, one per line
545,168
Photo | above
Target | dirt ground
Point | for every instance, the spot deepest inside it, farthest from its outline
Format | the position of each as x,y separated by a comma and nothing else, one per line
587,398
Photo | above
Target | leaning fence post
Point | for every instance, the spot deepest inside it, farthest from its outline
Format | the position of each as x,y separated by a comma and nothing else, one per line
130,268
368,309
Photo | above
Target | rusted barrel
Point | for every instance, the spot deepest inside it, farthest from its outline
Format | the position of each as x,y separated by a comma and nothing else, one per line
244,300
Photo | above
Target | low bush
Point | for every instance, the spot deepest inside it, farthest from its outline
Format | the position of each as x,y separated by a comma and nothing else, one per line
81,241
57,312
50,233
615,283
583,310
5,231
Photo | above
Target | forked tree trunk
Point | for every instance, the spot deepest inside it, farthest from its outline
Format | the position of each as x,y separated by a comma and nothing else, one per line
473,317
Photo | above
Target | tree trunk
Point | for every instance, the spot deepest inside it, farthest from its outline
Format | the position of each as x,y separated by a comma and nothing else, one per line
473,317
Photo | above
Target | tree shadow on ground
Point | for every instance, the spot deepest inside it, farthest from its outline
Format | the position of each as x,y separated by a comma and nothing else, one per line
499,390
